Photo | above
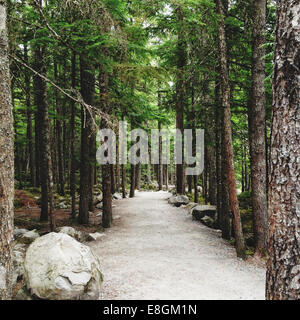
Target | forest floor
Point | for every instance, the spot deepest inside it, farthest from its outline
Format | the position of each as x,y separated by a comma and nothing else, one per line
156,251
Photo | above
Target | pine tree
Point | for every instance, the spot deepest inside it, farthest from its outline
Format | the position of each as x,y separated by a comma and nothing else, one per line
257,128
6,163
283,271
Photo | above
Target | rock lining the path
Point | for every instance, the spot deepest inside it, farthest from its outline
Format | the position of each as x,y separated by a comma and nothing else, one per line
57,267
178,201
200,211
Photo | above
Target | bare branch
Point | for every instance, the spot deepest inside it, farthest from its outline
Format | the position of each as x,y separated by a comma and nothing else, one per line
92,110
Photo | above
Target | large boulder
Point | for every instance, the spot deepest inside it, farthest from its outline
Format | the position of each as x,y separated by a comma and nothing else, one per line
201,211
178,201
57,267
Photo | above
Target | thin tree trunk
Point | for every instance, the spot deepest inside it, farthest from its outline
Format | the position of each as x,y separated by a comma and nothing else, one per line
87,90
211,169
132,181
180,95
166,173
29,121
40,88
283,266
240,244
113,179
218,131
72,138
160,166
106,168
117,173
59,142
257,129
138,173
6,164
123,173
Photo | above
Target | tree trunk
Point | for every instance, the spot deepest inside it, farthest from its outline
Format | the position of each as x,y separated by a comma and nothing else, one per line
218,133
240,244
138,173
42,118
87,91
166,174
106,168
283,266
257,129
59,142
225,209
107,197
160,166
29,121
118,179
113,179
72,138
123,173
211,169
132,181
180,96
6,164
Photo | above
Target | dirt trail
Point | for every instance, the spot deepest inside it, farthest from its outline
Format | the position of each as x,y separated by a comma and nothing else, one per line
155,251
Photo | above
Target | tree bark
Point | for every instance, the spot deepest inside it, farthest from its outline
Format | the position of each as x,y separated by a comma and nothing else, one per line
113,179
283,266
106,168
59,142
42,121
240,244
87,80
132,181
29,121
72,142
180,96
6,164
117,173
160,166
218,133
123,174
257,129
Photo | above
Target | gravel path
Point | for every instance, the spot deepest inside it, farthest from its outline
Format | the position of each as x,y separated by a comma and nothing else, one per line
156,251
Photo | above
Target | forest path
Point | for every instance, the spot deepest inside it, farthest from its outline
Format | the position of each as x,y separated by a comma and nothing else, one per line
156,251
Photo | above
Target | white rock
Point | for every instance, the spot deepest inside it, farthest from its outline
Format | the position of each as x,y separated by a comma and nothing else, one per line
117,196
28,237
19,252
2,278
96,236
62,205
67,230
99,205
18,232
77,235
57,267
177,201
